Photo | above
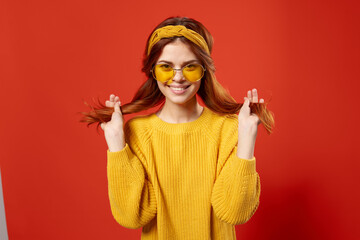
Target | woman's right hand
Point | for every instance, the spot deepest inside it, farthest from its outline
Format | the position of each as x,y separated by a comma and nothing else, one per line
114,129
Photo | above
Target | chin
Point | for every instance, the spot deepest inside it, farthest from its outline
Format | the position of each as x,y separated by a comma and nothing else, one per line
180,101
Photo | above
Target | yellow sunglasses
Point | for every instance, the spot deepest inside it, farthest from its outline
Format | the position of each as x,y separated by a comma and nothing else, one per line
164,73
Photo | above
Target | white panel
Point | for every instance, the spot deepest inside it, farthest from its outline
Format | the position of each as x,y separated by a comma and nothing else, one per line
3,229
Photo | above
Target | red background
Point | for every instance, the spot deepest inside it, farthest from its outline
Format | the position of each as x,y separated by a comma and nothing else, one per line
302,54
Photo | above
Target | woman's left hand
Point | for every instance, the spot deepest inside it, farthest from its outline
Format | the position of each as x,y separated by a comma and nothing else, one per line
248,123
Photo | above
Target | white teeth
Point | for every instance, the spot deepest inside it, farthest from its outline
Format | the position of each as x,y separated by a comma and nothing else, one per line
177,89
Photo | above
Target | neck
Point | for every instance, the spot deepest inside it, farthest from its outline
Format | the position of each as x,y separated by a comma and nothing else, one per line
180,113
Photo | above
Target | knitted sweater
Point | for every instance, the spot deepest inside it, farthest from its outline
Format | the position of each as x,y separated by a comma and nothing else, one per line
182,181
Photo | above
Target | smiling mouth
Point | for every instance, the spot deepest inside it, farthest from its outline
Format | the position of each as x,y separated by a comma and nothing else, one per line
179,88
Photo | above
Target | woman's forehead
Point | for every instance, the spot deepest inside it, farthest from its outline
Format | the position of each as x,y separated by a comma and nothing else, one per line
177,52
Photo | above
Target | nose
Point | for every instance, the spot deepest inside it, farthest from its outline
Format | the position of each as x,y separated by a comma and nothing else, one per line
178,75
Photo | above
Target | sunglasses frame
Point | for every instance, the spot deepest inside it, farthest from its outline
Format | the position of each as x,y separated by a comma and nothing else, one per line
177,69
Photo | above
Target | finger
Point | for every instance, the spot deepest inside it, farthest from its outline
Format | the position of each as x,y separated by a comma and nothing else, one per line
246,101
255,118
109,103
255,98
261,100
112,96
116,99
249,95
117,107
245,109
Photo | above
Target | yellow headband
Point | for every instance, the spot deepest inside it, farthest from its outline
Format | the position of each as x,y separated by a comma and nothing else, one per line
174,31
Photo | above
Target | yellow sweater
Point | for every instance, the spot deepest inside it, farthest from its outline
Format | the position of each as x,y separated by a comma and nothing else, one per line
182,181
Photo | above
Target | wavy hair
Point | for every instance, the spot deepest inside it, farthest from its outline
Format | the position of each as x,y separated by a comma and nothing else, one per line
213,94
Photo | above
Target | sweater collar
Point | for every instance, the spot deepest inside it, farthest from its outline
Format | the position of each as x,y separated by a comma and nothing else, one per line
170,128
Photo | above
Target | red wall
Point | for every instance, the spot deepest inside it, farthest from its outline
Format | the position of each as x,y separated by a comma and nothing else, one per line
302,54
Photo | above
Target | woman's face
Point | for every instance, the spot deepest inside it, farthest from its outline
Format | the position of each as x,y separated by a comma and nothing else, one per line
180,91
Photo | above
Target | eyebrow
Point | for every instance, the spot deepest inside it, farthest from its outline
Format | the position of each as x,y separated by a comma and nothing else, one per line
183,64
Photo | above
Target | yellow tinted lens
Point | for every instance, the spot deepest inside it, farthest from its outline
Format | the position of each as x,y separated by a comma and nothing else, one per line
193,72
163,72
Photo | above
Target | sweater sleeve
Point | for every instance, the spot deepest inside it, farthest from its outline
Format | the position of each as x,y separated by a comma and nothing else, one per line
236,192
131,194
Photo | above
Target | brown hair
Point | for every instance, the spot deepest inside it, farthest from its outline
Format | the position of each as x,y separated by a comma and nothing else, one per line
214,96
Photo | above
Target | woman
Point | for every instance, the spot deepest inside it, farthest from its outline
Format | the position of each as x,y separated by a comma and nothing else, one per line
186,171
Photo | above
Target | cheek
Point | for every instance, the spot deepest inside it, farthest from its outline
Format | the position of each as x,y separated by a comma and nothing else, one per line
161,86
197,86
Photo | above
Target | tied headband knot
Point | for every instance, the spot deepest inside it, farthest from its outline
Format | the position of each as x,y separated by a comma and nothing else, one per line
177,31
